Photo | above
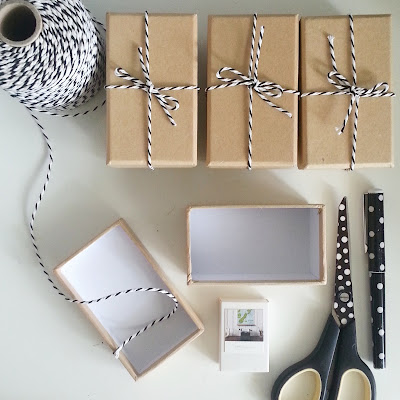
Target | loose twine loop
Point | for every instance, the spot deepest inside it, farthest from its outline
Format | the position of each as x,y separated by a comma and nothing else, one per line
61,70
167,103
355,92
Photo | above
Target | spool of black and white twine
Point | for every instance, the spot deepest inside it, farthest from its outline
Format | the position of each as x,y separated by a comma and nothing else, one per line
52,60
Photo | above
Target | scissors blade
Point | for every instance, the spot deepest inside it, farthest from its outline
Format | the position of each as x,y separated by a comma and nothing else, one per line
343,306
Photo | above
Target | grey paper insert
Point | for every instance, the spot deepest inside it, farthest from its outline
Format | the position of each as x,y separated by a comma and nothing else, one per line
255,244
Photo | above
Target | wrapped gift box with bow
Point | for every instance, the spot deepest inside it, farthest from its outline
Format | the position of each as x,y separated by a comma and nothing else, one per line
346,107
252,97
151,90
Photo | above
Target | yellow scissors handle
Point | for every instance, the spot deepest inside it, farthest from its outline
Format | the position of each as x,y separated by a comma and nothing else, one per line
329,366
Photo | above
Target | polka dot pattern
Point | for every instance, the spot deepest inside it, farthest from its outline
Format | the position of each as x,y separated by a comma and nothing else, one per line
373,202
343,303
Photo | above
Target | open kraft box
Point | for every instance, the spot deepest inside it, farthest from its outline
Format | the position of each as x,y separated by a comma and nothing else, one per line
256,244
115,261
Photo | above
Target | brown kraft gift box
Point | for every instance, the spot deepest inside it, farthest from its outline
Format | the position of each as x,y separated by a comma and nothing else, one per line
320,145
173,62
274,142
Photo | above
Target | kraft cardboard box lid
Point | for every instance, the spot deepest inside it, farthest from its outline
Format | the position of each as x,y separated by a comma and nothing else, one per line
173,62
274,142
320,145
116,261
257,244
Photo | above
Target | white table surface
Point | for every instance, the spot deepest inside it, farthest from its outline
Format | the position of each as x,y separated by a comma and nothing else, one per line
50,351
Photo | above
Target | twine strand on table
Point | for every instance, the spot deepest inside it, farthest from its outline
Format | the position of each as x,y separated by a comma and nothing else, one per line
99,299
66,69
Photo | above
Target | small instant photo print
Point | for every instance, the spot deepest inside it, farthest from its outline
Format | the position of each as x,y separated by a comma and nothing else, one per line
243,338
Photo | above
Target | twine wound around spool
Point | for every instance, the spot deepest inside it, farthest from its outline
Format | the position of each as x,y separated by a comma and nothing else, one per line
20,23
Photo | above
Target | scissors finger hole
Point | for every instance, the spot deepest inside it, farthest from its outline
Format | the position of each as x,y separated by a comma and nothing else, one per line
305,385
354,384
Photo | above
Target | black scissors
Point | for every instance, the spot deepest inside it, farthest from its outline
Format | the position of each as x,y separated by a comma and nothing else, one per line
336,353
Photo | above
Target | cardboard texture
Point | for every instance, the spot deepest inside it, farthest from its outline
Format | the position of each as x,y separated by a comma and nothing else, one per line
242,245
274,134
113,261
173,62
320,145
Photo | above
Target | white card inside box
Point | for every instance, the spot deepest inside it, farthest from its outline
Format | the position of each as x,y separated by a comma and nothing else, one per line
114,262
256,244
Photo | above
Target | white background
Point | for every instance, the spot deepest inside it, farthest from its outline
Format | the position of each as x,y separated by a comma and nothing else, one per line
50,351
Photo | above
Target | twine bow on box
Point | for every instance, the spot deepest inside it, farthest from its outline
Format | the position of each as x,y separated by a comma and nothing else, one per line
263,89
168,103
355,92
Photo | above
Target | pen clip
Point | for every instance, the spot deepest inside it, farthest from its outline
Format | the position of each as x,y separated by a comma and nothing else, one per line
365,223
365,212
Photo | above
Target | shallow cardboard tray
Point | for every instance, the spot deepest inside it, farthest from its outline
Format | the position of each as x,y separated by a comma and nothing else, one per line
256,244
115,261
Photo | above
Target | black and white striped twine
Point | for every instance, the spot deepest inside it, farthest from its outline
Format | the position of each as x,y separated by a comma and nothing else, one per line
264,89
168,103
66,69
355,92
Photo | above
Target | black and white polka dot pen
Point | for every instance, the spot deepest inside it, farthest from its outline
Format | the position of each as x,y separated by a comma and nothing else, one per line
375,249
